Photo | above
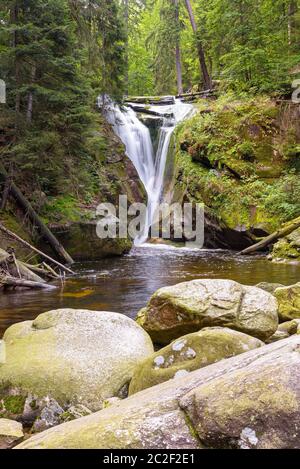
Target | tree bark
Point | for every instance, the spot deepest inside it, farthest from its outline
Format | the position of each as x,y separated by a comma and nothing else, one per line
207,81
30,97
19,282
285,231
178,50
25,243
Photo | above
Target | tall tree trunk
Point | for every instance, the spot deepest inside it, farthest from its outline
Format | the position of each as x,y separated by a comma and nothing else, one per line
30,97
178,51
126,16
292,10
14,15
207,82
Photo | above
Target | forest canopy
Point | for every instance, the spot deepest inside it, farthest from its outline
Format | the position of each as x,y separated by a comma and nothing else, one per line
58,56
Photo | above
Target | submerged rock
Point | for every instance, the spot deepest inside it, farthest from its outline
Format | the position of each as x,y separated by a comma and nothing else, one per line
251,400
73,356
288,302
190,306
190,353
11,433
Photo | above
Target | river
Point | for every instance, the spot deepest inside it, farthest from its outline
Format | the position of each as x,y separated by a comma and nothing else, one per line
125,284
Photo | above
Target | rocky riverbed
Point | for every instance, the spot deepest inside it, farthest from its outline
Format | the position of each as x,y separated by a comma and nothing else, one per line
226,378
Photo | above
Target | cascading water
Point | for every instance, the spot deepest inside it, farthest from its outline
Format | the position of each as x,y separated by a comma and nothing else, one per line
139,148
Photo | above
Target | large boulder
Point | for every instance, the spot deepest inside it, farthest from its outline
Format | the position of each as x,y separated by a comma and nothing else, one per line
190,353
72,356
190,306
256,407
288,302
162,418
11,433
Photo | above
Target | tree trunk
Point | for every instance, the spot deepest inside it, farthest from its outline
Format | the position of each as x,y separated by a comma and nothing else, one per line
292,10
22,241
285,231
126,16
207,81
30,97
18,282
178,50
44,230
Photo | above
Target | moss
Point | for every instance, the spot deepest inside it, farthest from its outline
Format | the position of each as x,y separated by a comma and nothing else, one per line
14,404
234,160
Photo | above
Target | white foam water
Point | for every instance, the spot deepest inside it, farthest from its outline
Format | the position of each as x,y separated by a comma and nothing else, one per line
139,148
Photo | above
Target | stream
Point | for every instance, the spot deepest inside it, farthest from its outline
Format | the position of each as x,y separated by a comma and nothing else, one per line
125,284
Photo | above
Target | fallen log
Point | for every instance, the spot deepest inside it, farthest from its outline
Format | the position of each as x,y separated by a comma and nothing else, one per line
264,243
196,94
155,100
8,281
25,243
44,230
144,110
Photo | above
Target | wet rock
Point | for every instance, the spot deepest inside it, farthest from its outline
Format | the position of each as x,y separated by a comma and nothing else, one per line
73,356
285,330
288,302
269,287
189,353
190,306
11,433
258,399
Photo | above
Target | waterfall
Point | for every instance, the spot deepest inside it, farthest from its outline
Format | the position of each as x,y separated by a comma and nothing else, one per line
139,148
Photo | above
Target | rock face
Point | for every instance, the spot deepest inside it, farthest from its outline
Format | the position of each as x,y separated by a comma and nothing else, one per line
190,353
10,433
250,400
288,302
190,306
74,238
73,356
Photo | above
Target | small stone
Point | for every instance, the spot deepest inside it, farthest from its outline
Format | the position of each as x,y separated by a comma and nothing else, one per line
181,373
11,432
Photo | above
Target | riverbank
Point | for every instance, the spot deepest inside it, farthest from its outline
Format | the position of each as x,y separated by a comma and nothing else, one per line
91,379
130,280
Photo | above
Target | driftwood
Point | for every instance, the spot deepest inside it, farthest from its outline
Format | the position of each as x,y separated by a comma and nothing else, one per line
264,243
7,281
25,243
144,110
44,230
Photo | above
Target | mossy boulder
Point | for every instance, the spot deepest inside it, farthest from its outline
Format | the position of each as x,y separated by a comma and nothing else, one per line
161,418
190,353
190,306
285,330
269,287
82,243
256,407
73,356
287,249
11,433
288,302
